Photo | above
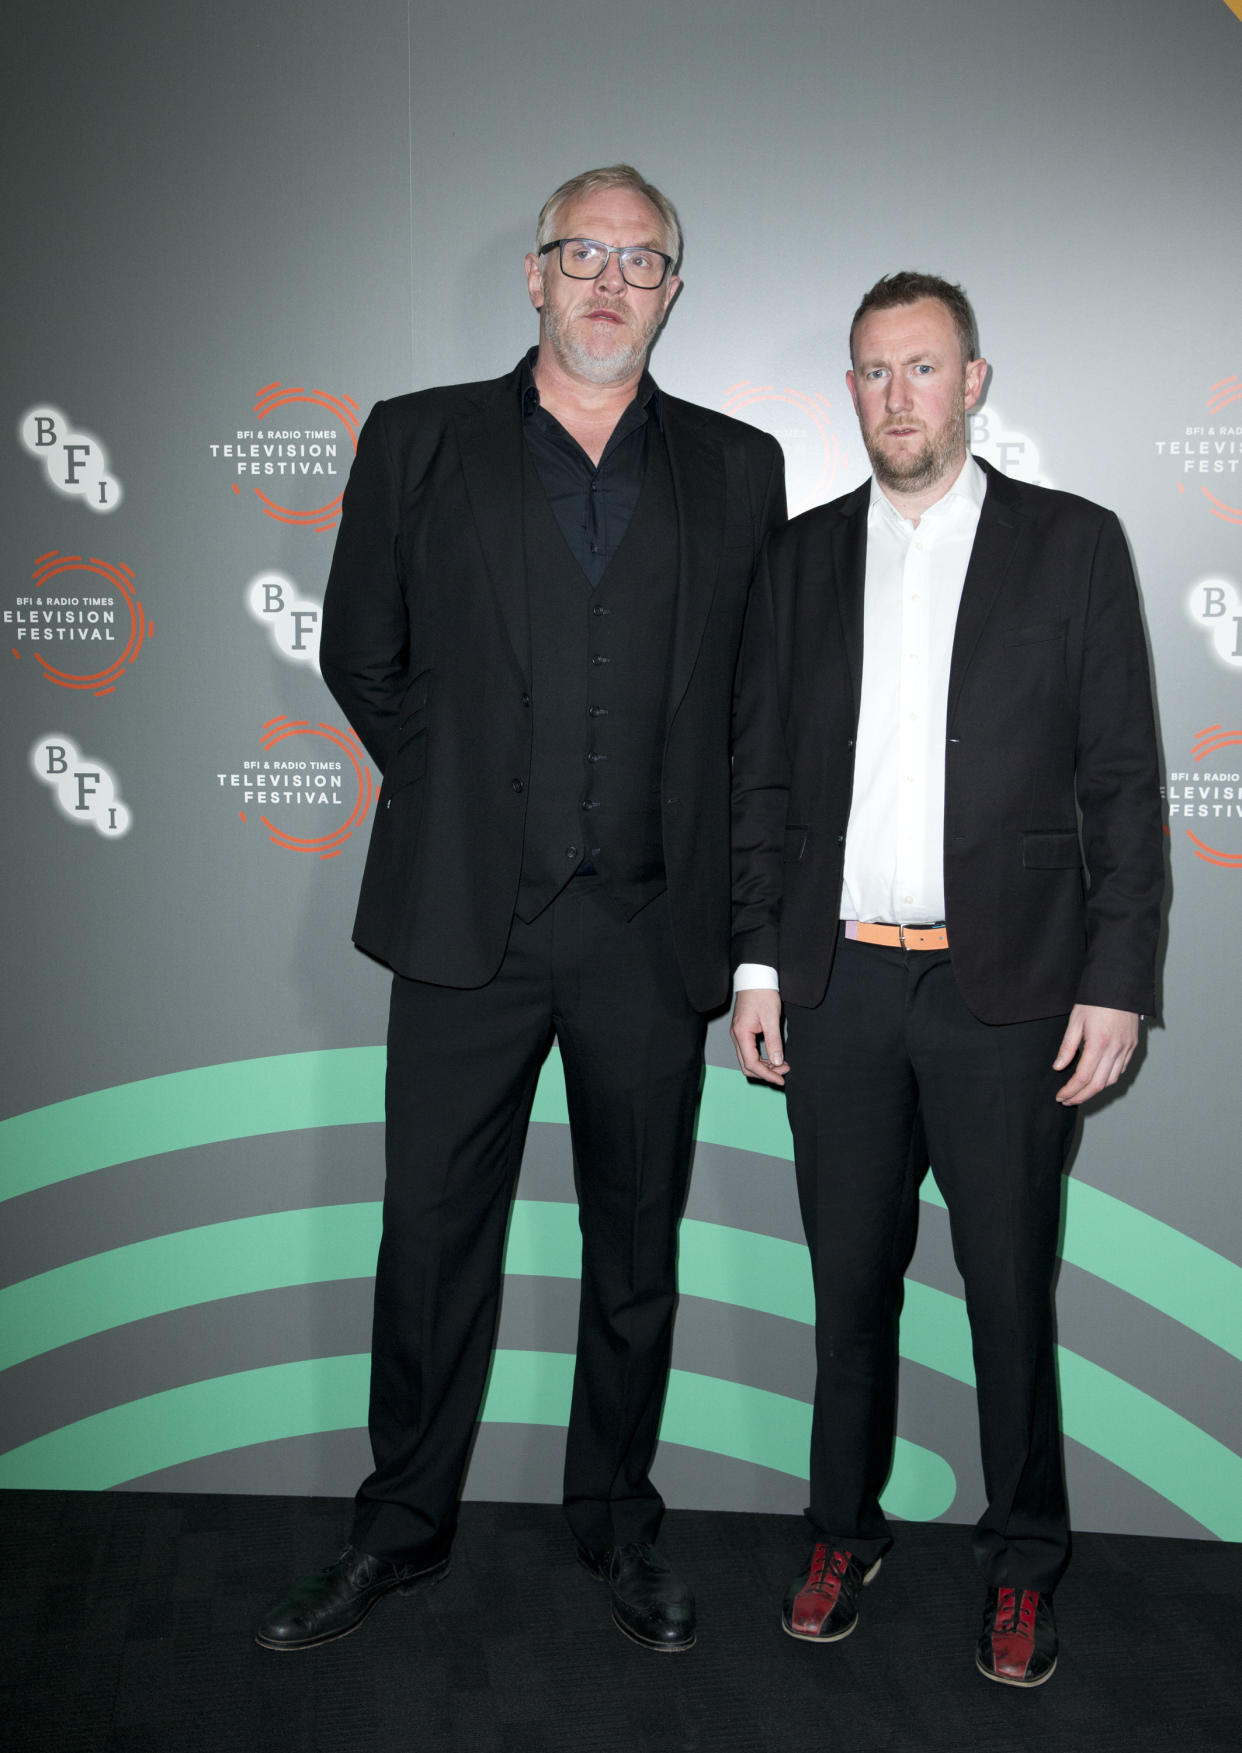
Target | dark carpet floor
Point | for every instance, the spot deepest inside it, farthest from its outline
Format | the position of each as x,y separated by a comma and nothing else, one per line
127,1630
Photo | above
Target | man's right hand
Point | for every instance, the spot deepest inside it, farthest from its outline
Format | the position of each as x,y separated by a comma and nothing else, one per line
757,1017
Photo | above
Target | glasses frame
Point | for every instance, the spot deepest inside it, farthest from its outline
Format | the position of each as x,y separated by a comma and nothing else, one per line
620,251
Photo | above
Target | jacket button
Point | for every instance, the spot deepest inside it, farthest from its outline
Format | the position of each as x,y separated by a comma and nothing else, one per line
598,609
850,743
840,839
517,785
526,699
572,852
597,711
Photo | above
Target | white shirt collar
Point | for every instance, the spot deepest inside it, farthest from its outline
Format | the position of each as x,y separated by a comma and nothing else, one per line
967,492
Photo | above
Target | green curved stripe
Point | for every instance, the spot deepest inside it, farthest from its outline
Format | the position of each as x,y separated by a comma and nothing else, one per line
1117,1243
1128,1427
330,1393
1135,1432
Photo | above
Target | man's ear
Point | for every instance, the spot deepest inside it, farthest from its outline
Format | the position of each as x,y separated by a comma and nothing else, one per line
534,279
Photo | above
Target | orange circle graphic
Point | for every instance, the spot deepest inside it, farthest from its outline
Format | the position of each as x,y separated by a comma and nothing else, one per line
121,578
345,409
278,730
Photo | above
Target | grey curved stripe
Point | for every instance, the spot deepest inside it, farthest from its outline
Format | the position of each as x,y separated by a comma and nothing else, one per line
523,1463
540,1314
1124,1335
218,1182
1177,1365
289,1171
334,1319
510,1463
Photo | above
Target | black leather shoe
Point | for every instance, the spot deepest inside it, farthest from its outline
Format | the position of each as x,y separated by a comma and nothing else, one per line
821,1603
335,1601
1018,1643
650,1603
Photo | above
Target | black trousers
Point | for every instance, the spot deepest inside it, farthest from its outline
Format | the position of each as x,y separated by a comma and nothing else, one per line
462,1069
889,1072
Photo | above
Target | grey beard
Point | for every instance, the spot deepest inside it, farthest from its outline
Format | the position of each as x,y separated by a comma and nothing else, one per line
614,368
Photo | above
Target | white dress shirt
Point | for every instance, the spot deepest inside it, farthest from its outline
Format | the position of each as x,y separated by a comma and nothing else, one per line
894,843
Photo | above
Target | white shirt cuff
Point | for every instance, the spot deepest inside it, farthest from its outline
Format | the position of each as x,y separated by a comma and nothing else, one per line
755,977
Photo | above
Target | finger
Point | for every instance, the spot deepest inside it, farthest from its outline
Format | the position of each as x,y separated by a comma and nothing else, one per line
746,1040
1071,1040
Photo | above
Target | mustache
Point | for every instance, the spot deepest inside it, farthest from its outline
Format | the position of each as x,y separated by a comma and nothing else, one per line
613,307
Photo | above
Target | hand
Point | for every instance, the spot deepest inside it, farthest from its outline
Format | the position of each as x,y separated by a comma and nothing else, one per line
1104,1041
757,1017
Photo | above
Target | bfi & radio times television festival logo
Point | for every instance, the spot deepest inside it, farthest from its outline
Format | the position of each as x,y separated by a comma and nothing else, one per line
1209,794
310,789
801,423
1214,605
82,622
84,789
290,620
1205,457
75,464
293,460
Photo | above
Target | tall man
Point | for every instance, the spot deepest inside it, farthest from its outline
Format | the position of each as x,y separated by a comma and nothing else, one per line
532,622
948,854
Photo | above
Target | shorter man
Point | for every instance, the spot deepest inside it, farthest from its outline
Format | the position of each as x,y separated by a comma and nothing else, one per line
940,672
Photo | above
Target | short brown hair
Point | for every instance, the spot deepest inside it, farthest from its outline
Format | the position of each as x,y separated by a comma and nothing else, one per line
908,287
594,182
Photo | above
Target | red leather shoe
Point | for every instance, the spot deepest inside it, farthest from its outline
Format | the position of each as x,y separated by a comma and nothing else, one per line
821,1603
1018,1643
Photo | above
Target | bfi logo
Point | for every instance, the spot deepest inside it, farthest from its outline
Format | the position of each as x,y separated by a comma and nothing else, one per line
1215,606
292,620
75,463
83,788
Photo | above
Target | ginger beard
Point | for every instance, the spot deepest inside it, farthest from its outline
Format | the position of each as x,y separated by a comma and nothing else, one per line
908,469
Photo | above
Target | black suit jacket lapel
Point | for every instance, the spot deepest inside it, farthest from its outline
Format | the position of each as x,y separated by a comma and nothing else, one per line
700,488
493,460
1000,527
849,569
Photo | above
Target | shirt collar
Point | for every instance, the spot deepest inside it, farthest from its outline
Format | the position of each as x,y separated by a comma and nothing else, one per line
965,495
646,397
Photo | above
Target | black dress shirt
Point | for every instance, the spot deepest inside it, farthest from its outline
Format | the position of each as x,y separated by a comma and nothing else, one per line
592,503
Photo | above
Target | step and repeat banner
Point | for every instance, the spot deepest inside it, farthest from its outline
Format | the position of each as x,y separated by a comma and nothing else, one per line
230,229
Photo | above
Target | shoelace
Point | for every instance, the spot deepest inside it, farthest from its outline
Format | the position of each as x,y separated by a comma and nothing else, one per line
827,1574
1014,1615
640,1549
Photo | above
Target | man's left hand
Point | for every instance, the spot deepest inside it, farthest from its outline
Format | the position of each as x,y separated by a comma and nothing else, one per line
1104,1041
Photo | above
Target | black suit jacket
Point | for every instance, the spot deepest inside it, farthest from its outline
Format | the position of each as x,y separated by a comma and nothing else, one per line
426,645
1049,714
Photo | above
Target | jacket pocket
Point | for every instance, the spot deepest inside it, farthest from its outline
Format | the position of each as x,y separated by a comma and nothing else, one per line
409,762
1037,632
1057,849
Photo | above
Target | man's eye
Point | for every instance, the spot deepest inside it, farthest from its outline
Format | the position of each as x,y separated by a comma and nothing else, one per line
638,259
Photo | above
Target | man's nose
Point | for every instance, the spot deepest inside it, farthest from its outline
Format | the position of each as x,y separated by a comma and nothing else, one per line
898,397
612,281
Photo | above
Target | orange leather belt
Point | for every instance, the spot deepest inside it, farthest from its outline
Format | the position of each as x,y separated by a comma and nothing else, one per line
898,937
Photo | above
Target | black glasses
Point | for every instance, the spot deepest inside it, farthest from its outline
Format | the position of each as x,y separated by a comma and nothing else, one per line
582,258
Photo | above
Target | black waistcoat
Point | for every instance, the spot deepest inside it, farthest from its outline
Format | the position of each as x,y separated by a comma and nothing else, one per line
599,662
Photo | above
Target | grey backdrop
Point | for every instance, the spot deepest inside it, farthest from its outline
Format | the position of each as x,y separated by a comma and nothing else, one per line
209,201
